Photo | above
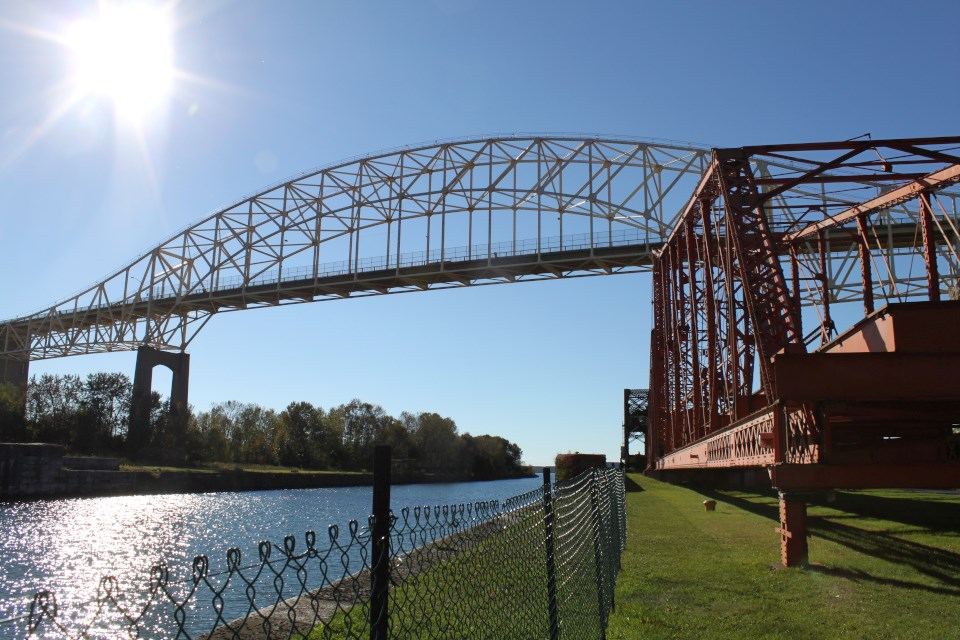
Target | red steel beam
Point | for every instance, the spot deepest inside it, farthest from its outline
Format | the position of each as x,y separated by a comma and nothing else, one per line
803,377
931,182
851,144
859,177
751,442
929,247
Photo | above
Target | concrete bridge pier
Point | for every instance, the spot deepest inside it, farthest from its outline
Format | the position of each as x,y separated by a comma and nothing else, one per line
16,371
139,431
15,366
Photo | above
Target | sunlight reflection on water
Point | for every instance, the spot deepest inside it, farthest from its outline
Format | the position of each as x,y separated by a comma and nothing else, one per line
66,546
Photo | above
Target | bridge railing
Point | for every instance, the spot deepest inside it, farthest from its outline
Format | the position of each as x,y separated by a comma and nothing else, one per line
523,568
491,251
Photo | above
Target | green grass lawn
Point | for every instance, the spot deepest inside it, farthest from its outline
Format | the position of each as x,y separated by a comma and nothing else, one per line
885,564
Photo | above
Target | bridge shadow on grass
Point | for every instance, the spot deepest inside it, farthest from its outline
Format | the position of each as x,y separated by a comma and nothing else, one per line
630,485
758,501
936,515
940,565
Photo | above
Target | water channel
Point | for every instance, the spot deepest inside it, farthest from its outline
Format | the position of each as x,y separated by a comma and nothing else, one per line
66,546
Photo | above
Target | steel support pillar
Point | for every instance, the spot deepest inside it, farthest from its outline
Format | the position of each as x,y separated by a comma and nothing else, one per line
929,247
147,359
793,529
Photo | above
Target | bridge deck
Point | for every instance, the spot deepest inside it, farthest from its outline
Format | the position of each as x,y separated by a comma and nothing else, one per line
556,264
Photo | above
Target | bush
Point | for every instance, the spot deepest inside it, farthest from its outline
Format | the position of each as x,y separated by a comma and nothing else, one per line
570,465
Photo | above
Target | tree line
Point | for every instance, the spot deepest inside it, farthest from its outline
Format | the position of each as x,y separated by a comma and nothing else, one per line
91,416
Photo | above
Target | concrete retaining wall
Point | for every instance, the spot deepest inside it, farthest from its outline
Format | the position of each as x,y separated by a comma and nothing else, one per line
37,471
28,469
42,471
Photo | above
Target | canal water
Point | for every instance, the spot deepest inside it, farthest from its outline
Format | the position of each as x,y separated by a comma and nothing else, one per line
66,546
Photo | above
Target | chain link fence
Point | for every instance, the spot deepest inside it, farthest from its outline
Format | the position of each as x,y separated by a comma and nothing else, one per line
539,565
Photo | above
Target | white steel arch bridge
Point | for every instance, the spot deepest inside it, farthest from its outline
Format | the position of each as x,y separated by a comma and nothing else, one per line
447,214
467,212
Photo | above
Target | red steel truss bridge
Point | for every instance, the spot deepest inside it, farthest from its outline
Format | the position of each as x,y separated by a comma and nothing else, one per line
755,276
759,361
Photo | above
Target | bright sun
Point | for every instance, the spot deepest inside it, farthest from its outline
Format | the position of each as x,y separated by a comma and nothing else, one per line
125,55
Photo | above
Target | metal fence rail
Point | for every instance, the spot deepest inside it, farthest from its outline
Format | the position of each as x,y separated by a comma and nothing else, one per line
538,565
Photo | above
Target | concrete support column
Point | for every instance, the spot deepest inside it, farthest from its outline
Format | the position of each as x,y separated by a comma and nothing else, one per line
147,359
16,371
793,529
13,407
15,366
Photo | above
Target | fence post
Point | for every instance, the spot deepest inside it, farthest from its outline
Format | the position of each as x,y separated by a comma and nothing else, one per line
380,545
600,573
551,567
614,537
622,508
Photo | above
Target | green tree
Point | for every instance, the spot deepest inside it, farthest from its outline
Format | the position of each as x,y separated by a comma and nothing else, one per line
213,440
305,438
161,441
437,444
361,424
491,456
256,426
100,423
395,435
107,397
53,405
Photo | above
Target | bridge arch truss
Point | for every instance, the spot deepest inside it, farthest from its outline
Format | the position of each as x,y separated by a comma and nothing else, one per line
478,211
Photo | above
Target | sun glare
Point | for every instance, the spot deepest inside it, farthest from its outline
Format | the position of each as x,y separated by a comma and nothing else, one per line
125,54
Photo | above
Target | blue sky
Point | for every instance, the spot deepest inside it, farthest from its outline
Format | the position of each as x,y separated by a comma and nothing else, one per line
266,90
